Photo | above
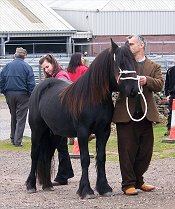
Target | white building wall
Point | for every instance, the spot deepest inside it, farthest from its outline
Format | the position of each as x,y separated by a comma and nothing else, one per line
121,22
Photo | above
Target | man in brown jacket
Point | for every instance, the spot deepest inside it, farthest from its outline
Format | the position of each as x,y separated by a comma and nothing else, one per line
135,139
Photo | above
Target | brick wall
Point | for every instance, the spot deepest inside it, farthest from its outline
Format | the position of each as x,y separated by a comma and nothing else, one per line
156,44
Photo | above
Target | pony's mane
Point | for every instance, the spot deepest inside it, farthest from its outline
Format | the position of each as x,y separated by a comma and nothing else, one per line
92,88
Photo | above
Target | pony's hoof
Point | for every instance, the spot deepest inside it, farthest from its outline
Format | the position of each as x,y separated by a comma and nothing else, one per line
30,191
89,196
107,194
48,189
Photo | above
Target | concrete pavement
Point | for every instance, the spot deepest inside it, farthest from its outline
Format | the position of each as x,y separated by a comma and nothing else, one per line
5,123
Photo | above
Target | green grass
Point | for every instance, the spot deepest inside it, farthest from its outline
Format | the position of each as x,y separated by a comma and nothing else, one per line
161,149
7,146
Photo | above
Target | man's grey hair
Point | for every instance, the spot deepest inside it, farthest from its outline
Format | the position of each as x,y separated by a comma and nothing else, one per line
140,39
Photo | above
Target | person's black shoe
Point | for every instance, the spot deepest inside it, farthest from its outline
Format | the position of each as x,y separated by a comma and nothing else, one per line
63,182
18,145
167,133
12,141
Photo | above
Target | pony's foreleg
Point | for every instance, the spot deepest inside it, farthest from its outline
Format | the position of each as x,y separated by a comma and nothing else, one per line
84,190
31,180
102,185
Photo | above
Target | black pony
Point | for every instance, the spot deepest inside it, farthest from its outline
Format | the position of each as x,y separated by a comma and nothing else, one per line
60,109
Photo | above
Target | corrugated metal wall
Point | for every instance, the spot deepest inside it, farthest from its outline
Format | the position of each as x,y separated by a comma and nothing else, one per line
121,22
112,5
24,15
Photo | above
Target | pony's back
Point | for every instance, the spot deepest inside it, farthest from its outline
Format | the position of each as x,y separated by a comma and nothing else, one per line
41,91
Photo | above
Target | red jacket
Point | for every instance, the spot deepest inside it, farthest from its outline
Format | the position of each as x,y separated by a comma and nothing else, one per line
80,70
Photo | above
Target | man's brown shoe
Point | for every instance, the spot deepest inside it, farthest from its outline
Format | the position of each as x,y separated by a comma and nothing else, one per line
147,188
130,191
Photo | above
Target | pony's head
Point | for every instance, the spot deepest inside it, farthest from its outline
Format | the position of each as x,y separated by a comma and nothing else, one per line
126,76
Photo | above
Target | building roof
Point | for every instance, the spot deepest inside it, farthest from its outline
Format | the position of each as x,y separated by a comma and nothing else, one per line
112,5
30,16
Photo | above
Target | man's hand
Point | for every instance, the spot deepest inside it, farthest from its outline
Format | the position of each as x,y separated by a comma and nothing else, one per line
142,80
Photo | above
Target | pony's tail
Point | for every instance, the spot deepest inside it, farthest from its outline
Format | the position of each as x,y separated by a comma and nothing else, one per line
45,164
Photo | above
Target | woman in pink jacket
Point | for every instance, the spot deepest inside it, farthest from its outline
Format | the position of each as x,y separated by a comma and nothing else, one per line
52,68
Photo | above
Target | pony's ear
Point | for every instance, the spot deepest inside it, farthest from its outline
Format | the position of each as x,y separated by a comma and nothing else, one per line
114,46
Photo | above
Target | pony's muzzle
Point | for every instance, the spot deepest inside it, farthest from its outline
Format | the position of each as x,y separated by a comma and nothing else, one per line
134,92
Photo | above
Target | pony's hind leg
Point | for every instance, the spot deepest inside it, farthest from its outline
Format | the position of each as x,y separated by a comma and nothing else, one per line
47,149
41,159
102,185
84,190
31,180
51,146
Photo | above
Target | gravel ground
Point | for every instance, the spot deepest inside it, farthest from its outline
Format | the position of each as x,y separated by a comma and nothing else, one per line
15,167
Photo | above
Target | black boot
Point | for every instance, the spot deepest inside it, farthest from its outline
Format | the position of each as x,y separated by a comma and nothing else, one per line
167,133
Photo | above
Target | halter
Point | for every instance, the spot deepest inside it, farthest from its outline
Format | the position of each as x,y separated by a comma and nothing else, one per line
125,72
140,92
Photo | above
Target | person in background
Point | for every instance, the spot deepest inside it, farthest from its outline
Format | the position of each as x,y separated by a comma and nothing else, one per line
52,68
170,95
17,83
76,67
85,59
135,139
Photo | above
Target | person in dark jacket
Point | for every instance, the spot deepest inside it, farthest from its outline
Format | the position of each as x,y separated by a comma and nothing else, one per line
170,95
17,83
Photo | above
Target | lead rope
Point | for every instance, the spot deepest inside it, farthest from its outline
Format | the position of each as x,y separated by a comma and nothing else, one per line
146,106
